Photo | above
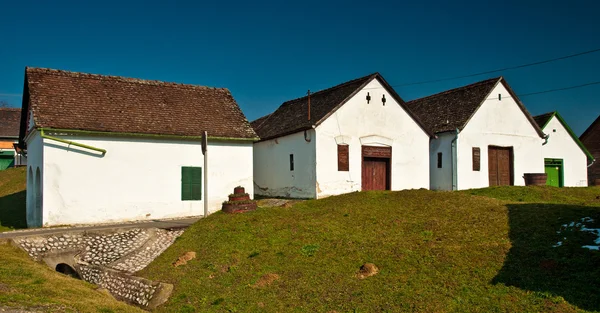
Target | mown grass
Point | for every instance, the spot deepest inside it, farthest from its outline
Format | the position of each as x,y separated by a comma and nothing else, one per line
12,199
437,252
541,194
27,285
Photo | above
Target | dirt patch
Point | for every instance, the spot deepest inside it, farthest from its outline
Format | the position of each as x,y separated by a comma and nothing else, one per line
367,270
184,258
269,203
4,288
266,280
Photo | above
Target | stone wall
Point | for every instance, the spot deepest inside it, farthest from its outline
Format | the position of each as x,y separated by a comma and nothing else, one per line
108,259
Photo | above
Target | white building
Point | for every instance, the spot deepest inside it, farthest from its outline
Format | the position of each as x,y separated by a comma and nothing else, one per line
108,149
485,136
565,157
355,136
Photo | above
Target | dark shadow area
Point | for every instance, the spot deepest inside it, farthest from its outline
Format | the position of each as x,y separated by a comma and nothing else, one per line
12,210
538,262
67,270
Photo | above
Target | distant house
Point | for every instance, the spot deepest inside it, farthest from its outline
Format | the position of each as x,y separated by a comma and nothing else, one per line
565,157
591,139
108,149
9,136
358,135
485,136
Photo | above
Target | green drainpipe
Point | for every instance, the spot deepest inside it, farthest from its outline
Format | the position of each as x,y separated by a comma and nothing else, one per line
71,143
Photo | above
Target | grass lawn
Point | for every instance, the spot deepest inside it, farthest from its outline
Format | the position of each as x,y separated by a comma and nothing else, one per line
28,285
12,199
436,251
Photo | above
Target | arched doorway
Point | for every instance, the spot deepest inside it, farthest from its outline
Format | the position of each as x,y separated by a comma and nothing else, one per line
37,212
67,270
30,199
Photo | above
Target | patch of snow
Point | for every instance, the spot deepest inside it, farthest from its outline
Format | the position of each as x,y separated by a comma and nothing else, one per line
558,244
597,248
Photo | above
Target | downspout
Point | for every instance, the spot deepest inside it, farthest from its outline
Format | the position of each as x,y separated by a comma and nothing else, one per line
546,136
70,143
455,162
593,161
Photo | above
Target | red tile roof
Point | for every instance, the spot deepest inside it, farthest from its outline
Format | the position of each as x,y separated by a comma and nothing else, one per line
9,122
79,101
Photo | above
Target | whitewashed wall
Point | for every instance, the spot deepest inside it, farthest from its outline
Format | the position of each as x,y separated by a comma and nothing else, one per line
272,175
357,123
562,146
498,123
441,178
35,159
137,179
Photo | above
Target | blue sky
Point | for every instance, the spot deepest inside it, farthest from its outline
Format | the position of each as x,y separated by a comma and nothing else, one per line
269,52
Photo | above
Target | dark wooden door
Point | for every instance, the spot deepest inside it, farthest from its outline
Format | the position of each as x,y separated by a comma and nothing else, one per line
375,174
500,165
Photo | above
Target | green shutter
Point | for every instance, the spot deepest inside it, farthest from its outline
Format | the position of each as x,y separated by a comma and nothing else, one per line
191,183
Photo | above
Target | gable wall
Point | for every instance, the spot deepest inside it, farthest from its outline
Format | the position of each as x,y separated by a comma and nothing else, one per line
592,143
562,146
272,175
35,160
137,179
357,123
498,123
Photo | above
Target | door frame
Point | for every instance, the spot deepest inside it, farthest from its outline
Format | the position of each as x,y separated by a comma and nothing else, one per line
380,152
511,162
561,171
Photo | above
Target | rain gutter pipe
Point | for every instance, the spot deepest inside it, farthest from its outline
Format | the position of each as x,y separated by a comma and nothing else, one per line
70,143
455,161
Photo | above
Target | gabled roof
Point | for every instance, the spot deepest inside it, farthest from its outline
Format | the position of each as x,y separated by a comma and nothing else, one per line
9,122
452,109
594,128
543,120
292,115
79,101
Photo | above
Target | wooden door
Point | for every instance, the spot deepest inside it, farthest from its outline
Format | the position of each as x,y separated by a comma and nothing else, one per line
500,166
375,174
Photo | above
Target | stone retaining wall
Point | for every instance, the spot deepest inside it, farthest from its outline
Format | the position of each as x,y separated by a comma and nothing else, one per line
109,259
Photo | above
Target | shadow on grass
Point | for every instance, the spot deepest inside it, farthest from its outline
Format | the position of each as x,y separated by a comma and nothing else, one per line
535,264
12,210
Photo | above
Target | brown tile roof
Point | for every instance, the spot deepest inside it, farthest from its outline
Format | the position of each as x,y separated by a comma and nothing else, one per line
591,139
542,119
9,122
452,109
292,115
79,101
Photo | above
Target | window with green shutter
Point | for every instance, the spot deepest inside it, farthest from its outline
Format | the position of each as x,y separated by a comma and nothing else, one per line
191,183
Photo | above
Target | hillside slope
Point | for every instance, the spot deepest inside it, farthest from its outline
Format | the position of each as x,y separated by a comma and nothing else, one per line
436,252
13,182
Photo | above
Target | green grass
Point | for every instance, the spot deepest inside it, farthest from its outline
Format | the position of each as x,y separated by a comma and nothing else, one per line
436,251
28,285
12,199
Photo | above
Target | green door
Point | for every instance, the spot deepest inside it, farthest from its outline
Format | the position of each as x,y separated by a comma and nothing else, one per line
554,169
7,159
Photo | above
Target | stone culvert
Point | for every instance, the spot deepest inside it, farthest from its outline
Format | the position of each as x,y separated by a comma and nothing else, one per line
107,259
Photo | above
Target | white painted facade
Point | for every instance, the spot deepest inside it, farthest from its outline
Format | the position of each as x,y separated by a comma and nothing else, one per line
355,124
137,179
562,146
272,174
496,123
441,177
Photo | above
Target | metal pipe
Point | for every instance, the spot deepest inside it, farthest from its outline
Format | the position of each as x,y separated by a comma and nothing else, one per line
593,161
69,142
453,155
546,139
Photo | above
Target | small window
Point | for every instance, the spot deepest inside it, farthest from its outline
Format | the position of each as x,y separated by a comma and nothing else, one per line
343,158
476,159
291,162
439,163
191,183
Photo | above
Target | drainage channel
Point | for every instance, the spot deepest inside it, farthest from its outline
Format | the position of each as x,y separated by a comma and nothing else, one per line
108,259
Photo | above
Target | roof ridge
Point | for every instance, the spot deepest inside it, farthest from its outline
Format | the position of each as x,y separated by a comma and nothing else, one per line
118,78
449,91
333,88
